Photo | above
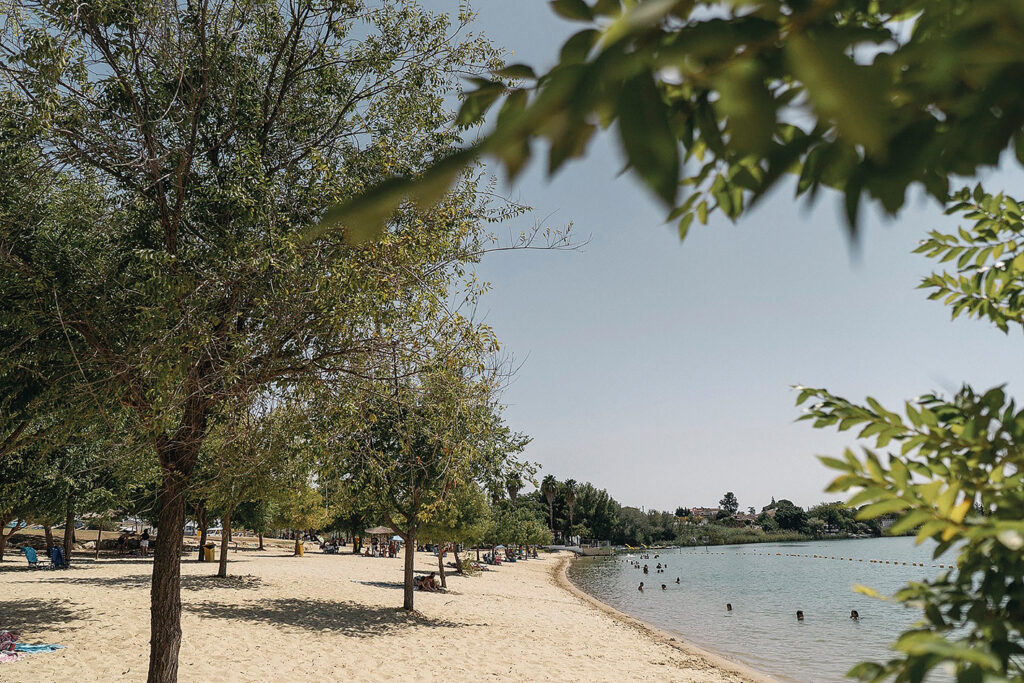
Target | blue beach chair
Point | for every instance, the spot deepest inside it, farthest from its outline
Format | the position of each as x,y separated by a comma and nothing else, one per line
57,559
30,555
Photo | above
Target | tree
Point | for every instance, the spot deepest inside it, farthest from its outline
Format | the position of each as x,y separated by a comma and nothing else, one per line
549,489
410,443
514,484
464,518
815,526
166,159
729,504
569,488
257,516
766,522
727,100
790,517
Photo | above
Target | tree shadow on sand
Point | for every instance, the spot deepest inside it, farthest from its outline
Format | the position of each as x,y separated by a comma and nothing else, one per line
188,583
342,617
37,615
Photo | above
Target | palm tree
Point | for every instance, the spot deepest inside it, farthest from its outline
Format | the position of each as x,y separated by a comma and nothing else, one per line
549,488
513,484
570,487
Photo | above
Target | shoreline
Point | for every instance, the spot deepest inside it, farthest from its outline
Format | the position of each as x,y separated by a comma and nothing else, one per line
335,615
718,661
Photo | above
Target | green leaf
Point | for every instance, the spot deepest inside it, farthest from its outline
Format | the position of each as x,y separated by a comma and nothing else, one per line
881,508
684,226
750,109
578,47
647,137
850,95
516,71
572,9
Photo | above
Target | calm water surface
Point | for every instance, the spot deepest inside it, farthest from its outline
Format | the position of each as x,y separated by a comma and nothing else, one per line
767,584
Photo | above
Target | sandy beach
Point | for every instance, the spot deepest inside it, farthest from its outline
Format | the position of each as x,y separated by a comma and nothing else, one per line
335,617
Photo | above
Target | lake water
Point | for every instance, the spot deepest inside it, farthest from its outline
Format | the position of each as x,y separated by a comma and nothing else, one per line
767,584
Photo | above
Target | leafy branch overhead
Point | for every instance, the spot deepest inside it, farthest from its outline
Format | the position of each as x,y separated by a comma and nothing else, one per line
715,102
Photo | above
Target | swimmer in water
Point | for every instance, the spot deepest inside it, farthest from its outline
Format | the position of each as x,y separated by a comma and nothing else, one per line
799,615
855,615
728,607
645,569
640,587
677,579
663,587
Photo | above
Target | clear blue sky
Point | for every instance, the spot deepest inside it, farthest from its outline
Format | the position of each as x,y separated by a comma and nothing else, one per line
660,370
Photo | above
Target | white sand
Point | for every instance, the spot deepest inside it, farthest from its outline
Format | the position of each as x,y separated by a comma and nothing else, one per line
336,617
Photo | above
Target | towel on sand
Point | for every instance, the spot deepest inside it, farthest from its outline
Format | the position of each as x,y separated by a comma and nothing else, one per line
24,647
8,657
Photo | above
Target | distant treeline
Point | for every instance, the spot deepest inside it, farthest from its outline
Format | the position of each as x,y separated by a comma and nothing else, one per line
581,509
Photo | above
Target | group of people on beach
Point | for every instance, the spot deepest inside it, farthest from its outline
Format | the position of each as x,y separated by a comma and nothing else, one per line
124,540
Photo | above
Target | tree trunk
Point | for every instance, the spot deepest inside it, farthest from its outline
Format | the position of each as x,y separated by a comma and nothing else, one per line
261,542
99,537
225,535
202,533
69,528
440,565
458,562
165,596
3,538
551,514
410,564
48,534
297,542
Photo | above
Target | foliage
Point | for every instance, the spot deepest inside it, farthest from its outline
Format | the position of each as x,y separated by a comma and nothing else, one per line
789,516
724,98
729,504
952,469
163,162
465,517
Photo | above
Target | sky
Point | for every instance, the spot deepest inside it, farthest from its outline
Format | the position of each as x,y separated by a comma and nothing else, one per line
661,370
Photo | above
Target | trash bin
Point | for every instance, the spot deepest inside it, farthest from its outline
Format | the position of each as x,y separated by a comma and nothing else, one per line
301,549
208,552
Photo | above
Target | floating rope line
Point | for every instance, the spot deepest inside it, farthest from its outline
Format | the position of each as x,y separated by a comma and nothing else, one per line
838,559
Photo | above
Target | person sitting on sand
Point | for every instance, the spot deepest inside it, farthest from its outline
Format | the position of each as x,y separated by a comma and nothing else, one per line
429,583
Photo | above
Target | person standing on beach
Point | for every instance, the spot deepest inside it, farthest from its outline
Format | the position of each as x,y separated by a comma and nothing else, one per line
144,543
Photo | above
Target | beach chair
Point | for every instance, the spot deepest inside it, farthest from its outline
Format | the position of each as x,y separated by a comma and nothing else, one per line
57,559
30,555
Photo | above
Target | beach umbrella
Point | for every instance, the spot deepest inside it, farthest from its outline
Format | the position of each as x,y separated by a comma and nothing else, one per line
396,538
499,547
380,531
